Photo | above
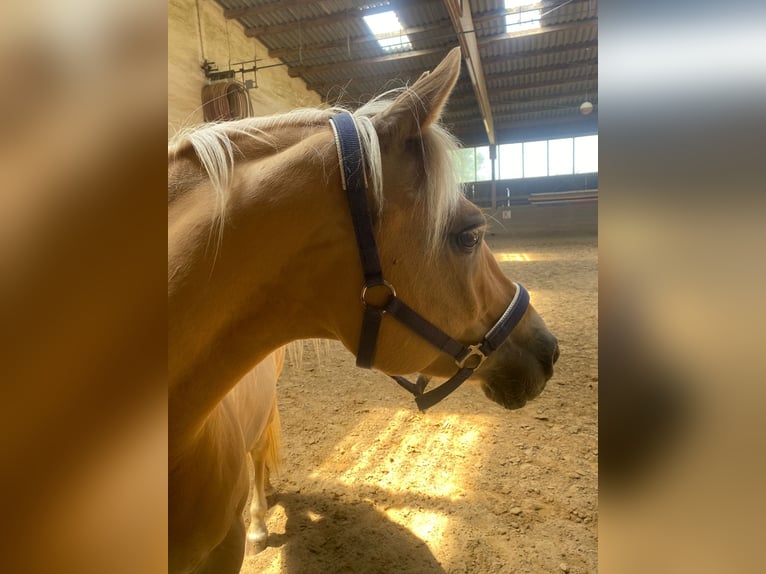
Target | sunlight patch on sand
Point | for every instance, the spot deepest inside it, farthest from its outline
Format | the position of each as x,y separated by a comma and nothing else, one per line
505,256
409,452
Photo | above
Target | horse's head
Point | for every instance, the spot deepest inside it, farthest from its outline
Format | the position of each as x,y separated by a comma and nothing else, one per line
432,251
271,256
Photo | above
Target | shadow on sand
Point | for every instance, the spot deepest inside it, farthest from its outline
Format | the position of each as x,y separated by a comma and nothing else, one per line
325,535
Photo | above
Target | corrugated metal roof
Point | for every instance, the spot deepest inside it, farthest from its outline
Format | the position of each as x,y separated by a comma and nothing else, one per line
535,80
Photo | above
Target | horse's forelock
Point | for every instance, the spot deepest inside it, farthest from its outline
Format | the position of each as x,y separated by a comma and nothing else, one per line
441,189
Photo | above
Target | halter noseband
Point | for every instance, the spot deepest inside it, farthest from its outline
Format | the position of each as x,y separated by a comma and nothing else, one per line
469,358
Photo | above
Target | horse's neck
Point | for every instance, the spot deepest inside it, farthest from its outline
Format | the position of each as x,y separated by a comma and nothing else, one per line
231,305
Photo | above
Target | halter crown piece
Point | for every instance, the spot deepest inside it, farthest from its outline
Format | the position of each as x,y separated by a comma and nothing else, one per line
468,358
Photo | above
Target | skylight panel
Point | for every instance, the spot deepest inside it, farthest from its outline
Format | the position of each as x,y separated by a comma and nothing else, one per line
524,20
387,29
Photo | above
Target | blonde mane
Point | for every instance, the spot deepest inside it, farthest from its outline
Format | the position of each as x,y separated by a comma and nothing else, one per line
215,147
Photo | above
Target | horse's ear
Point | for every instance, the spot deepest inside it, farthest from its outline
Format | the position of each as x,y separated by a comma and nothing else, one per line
421,104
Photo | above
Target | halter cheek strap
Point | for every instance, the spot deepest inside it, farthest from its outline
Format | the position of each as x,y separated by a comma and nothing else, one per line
354,183
468,358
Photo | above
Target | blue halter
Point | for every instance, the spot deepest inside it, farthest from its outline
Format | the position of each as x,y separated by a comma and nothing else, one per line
467,358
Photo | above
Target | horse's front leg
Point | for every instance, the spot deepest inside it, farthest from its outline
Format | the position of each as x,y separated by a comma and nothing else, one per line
257,533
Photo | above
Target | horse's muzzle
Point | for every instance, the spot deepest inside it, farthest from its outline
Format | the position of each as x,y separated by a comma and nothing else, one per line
519,372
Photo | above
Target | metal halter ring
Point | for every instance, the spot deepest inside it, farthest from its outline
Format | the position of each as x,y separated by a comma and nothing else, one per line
473,351
383,283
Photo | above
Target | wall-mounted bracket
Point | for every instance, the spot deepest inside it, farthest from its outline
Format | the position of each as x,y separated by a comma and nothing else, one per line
213,74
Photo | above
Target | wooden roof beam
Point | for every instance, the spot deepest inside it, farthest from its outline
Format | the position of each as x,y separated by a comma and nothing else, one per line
462,22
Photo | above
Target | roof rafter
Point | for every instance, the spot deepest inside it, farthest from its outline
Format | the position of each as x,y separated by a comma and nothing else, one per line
462,22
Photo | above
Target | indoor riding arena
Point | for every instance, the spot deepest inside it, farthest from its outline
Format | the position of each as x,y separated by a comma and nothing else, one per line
367,482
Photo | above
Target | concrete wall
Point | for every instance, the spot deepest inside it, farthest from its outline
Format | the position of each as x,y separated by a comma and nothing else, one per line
191,39
541,218
480,192
545,220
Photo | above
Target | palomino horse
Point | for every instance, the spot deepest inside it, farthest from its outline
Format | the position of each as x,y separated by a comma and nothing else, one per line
268,221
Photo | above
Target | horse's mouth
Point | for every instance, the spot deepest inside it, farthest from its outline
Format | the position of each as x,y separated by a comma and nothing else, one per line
512,394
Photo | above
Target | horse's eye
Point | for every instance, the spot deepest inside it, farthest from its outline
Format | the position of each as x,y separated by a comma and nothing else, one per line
467,240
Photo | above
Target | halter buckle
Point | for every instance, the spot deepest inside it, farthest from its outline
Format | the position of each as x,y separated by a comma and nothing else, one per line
473,351
384,284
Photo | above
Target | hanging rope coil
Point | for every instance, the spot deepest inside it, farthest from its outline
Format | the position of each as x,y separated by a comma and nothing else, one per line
223,101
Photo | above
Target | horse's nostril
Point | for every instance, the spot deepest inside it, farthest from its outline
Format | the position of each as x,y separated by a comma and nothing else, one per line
556,353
